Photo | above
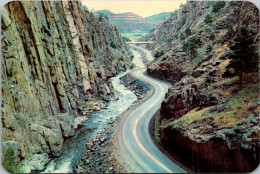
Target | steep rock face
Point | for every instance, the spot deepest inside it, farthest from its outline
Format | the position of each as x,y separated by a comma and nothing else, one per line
213,155
188,15
204,116
56,58
178,105
169,37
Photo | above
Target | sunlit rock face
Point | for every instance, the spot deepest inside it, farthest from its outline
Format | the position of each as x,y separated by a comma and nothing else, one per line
55,58
207,119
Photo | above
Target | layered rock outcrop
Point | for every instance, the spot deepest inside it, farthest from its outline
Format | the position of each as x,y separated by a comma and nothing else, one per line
178,105
205,117
128,22
56,59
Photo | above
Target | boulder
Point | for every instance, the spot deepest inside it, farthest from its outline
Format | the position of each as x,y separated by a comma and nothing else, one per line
213,71
198,72
38,161
6,21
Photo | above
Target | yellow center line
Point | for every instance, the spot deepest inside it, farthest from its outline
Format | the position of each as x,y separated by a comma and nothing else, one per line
138,141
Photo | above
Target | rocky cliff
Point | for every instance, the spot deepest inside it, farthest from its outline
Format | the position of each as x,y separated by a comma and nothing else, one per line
207,118
57,60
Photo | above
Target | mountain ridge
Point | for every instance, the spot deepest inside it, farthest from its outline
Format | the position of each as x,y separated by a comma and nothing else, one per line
131,22
128,22
158,18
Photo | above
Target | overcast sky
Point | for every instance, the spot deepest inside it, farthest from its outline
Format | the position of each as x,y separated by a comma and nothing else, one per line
142,8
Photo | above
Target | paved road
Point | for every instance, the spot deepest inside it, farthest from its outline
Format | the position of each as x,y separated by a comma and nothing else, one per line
140,153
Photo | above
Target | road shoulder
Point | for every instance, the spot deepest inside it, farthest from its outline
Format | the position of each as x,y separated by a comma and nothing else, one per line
117,139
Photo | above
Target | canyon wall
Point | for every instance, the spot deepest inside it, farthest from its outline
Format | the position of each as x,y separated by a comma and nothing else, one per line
208,118
57,60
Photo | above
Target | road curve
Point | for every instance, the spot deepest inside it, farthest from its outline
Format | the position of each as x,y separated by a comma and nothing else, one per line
140,153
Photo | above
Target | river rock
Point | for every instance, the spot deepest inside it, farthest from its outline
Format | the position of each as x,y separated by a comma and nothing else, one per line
139,87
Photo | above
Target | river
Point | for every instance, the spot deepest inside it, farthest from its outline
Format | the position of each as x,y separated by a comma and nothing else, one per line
75,147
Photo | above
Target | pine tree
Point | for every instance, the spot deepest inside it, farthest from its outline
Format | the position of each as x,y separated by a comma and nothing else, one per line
182,37
188,31
208,19
244,57
218,5
190,47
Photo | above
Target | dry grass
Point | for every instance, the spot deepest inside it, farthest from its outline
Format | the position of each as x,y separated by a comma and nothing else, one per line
224,119
221,49
238,107
234,111
222,33
226,82
199,79
222,67
193,115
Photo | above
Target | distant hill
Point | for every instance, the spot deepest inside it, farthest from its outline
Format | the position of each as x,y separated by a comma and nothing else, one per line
157,18
128,22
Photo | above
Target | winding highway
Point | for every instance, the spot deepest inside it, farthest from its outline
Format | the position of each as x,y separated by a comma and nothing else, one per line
140,154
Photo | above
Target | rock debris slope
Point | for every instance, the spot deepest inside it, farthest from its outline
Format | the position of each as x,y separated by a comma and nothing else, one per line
208,119
56,60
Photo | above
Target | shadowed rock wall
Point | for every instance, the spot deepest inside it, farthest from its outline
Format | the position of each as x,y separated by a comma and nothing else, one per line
55,57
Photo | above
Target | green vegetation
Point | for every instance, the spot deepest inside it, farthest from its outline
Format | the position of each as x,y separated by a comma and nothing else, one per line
84,7
226,82
193,116
158,54
138,35
244,58
229,33
186,34
44,117
196,61
132,66
182,36
209,49
87,105
191,43
126,39
101,15
134,35
152,30
217,6
234,111
190,47
188,31
246,97
157,129
208,19
121,58
10,161
212,37
113,45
